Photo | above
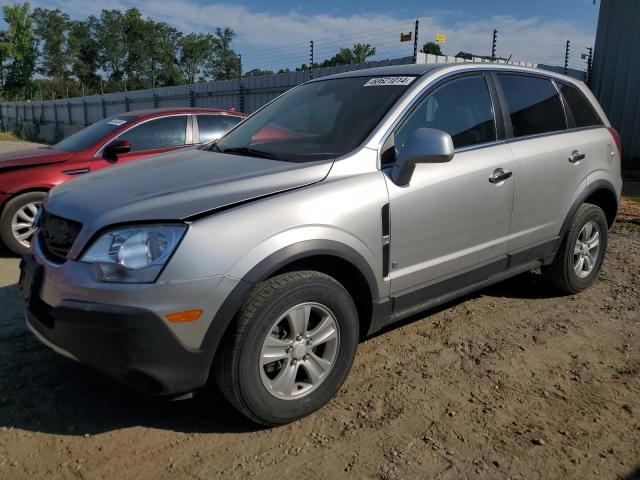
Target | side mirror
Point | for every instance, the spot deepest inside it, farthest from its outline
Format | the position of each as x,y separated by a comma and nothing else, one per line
424,145
115,148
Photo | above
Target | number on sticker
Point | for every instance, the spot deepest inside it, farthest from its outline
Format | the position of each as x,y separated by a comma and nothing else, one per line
388,81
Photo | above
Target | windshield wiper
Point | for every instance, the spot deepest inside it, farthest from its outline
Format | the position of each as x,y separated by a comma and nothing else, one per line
248,151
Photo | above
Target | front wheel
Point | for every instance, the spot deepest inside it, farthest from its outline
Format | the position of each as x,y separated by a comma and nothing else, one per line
16,222
582,251
290,349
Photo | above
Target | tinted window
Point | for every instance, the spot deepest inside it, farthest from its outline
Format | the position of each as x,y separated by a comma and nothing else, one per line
534,105
582,111
91,135
461,107
212,127
160,133
317,120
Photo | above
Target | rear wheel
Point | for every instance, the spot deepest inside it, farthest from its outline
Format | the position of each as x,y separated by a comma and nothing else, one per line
290,349
16,221
582,251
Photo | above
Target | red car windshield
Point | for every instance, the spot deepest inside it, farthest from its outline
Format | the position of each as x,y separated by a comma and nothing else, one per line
95,132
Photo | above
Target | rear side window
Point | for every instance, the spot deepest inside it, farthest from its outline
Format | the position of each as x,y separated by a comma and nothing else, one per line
583,112
534,105
212,127
461,107
160,133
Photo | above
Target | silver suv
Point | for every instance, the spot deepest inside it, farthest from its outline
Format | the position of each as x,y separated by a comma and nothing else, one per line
344,205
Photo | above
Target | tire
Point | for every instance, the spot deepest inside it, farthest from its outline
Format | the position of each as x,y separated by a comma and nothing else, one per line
10,216
562,273
254,388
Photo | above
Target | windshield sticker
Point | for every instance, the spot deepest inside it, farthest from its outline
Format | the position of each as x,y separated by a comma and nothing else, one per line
387,81
117,122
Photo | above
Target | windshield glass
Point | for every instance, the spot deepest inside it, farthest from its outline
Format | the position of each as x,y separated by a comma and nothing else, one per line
316,121
87,137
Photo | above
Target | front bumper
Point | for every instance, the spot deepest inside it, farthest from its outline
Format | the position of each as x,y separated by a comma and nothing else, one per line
129,344
132,344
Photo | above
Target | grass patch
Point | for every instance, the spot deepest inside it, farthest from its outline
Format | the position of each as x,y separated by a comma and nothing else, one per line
626,225
9,137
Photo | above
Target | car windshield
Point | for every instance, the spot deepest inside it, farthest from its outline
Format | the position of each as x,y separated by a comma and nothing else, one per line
316,121
87,137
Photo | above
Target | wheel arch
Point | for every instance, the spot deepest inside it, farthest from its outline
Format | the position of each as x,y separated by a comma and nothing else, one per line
601,193
336,259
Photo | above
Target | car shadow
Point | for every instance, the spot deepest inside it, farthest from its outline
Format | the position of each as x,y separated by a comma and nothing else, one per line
41,391
634,475
529,285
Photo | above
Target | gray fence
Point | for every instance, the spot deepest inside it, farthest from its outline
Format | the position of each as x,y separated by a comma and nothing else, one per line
53,120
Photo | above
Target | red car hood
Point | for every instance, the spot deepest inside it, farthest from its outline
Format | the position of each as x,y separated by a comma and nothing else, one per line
32,157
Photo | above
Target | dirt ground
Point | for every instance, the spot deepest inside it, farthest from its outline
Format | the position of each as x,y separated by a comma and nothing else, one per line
515,381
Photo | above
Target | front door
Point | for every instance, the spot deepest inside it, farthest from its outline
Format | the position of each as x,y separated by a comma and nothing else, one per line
451,223
151,137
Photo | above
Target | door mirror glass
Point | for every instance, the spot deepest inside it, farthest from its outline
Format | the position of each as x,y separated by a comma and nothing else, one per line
424,145
115,148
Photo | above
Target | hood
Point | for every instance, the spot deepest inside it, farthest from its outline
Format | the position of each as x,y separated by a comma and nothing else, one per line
175,186
32,157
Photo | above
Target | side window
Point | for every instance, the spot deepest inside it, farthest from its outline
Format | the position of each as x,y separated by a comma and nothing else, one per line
461,107
160,133
534,105
212,127
582,111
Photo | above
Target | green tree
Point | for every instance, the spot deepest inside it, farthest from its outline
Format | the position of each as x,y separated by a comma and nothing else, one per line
84,51
465,55
362,51
21,48
4,56
225,64
162,47
51,29
113,50
432,48
194,54
256,72
346,56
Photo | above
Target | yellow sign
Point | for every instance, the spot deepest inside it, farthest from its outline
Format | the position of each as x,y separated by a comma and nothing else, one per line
441,37
405,37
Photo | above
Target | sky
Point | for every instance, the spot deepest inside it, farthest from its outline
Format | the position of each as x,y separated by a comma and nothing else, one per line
276,34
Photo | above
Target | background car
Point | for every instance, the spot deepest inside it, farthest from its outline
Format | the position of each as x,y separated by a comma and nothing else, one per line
26,176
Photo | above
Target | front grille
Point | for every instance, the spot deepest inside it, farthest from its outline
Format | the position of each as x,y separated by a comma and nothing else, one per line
57,235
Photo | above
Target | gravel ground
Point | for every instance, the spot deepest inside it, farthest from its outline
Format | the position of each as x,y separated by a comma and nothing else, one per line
515,381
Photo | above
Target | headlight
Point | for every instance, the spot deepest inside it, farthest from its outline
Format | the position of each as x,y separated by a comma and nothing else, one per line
133,254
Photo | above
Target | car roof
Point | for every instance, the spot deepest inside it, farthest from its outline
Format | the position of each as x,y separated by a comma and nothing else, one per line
425,68
156,112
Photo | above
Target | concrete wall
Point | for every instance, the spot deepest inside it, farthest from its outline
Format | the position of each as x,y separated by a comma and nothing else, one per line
616,74
50,121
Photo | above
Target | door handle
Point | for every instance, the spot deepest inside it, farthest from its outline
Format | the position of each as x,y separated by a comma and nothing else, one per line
500,175
576,156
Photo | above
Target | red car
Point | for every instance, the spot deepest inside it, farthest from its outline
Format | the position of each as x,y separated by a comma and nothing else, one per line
26,176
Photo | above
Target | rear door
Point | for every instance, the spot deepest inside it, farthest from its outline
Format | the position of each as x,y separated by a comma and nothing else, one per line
210,127
150,137
550,168
451,223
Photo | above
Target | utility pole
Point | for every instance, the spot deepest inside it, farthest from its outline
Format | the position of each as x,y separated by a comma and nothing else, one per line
589,66
310,58
415,41
494,44
566,57
239,65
